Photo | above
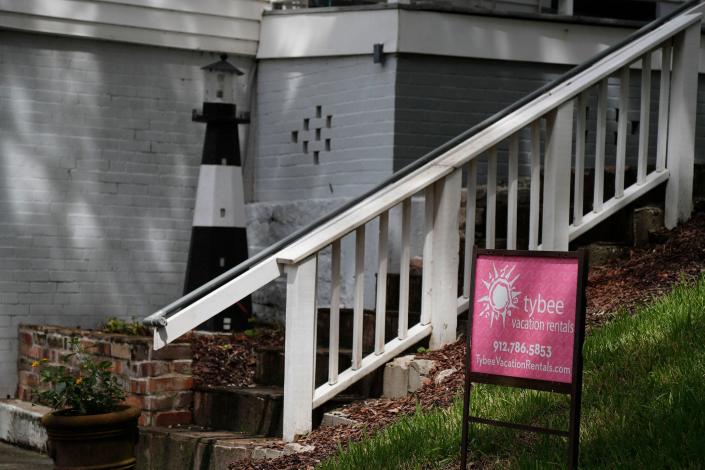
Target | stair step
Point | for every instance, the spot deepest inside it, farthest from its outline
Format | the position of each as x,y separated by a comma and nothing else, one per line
255,411
368,327
270,365
414,291
193,447
270,371
21,424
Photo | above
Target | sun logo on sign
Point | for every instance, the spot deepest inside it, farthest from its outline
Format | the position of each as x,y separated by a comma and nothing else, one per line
501,297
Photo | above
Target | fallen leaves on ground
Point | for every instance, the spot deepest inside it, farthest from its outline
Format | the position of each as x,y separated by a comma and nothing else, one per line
649,272
230,359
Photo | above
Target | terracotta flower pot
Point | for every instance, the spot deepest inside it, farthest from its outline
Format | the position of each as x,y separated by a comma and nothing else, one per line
104,441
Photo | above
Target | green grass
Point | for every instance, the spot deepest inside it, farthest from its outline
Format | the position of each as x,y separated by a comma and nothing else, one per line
643,405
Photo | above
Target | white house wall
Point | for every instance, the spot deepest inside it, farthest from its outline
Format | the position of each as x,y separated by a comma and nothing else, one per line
231,26
353,137
98,169
354,141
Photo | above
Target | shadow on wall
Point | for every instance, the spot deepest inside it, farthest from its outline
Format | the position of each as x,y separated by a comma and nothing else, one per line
99,163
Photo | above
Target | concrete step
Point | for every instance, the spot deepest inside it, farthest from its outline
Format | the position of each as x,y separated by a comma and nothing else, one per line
414,291
368,327
270,371
21,424
197,448
255,411
14,457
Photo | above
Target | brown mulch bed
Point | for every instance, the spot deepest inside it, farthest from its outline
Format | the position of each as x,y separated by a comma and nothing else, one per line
647,273
230,359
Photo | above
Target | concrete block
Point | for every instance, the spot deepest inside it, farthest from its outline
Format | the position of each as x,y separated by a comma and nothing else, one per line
419,371
253,411
605,253
396,377
265,453
294,448
225,453
647,221
444,374
20,424
336,418
162,448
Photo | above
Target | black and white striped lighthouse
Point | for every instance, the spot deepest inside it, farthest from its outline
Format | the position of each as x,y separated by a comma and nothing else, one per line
218,238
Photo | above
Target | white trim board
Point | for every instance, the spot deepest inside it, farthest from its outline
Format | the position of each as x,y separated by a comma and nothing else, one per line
234,29
328,33
353,32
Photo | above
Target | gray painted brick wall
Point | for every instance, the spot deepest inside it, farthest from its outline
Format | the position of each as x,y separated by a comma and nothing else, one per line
438,98
356,93
99,163
351,101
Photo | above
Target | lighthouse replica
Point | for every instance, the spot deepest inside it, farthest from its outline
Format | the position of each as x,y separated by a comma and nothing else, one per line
218,238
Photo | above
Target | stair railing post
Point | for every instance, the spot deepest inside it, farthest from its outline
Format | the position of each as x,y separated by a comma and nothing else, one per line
680,151
556,189
445,252
299,348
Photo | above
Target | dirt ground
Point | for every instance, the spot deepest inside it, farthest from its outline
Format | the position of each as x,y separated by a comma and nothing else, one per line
623,285
230,360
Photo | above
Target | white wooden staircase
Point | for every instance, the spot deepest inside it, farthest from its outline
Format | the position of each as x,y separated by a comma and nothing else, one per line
552,122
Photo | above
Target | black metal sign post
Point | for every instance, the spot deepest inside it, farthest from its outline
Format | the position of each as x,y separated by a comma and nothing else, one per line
573,389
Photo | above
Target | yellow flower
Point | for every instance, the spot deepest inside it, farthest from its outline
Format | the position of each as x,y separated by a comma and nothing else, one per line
79,380
35,363
44,359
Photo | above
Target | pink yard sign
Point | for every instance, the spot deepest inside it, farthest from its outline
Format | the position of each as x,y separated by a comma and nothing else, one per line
524,317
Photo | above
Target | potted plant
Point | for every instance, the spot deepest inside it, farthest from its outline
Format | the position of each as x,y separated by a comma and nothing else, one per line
90,427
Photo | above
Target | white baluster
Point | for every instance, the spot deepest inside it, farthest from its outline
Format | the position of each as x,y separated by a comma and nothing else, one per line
535,195
299,348
446,240
681,126
664,100
334,336
470,206
426,304
556,189
512,192
404,269
491,209
381,309
644,114
359,302
622,132
601,132
580,128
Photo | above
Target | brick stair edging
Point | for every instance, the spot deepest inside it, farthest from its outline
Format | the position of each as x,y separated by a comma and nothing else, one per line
159,382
